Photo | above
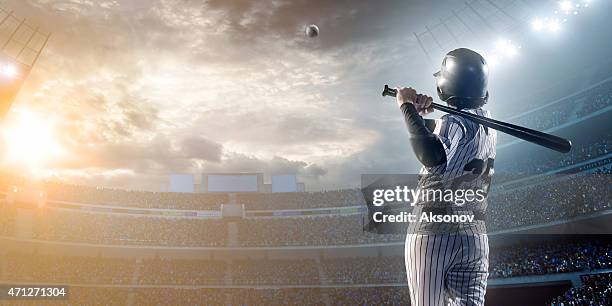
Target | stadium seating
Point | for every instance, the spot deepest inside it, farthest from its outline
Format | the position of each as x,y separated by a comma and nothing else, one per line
596,290
347,280
537,258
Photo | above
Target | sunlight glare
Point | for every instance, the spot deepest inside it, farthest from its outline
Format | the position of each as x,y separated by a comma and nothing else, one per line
29,140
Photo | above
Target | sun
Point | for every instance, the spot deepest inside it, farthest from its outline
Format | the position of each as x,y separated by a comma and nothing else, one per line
29,140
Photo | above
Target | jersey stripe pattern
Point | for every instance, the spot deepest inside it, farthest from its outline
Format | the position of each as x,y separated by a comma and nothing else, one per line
447,264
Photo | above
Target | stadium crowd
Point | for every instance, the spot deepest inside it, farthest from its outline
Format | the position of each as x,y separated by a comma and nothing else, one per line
118,197
596,290
66,225
335,198
320,230
597,100
302,296
151,281
541,163
61,269
293,296
370,296
161,271
551,257
275,272
179,296
199,201
368,270
560,198
569,108
518,259
7,220
95,296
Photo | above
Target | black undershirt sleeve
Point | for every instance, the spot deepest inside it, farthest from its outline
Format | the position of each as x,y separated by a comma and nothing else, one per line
426,146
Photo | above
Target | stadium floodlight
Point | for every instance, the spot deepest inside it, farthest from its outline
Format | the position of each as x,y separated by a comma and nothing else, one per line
8,70
566,5
493,60
537,24
18,55
511,51
506,47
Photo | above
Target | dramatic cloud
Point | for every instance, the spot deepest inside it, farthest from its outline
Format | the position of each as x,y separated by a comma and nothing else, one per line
142,89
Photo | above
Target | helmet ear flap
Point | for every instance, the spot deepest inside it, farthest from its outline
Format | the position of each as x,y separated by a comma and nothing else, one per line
486,98
441,94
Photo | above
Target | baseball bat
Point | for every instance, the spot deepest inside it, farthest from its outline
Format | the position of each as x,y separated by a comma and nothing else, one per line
540,138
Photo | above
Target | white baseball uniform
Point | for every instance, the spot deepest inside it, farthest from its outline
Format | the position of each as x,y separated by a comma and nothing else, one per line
447,263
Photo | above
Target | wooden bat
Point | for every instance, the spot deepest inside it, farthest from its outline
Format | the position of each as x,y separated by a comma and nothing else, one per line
540,138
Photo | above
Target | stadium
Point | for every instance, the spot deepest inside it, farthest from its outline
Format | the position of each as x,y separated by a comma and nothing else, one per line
233,238
309,248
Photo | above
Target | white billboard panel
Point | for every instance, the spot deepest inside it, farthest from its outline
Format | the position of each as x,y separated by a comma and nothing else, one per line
181,183
284,183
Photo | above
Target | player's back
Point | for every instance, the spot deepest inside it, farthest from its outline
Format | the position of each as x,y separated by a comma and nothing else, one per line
470,155
464,142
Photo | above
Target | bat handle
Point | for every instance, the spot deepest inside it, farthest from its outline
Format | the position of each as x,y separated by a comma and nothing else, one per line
389,91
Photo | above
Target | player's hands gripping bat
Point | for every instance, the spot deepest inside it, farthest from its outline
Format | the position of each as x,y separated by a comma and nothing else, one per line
422,103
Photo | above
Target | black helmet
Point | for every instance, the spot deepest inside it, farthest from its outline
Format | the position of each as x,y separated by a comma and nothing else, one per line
462,80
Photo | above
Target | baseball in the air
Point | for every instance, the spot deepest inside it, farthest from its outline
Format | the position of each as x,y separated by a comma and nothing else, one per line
312,30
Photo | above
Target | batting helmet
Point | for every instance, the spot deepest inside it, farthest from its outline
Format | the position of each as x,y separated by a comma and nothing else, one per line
462,80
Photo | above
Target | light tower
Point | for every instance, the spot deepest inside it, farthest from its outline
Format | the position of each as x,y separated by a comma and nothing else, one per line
20,47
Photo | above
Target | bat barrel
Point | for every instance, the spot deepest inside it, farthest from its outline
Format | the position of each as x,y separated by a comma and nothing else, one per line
547,140
544,139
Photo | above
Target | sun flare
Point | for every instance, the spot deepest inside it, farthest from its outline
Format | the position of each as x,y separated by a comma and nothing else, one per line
29,140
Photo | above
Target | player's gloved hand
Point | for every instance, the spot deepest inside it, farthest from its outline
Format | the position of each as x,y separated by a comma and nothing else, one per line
423,104
405,95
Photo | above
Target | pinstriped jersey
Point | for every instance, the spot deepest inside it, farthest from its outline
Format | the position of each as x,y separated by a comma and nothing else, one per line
463,141
470,154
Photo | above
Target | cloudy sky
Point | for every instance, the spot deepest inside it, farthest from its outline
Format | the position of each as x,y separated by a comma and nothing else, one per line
135,90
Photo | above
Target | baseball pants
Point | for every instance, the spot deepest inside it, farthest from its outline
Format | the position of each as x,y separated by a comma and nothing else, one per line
447,269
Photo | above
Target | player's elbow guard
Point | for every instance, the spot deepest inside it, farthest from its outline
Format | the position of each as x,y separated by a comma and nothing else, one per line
429,151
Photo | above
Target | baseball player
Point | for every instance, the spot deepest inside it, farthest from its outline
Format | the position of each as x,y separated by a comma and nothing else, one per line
447,263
